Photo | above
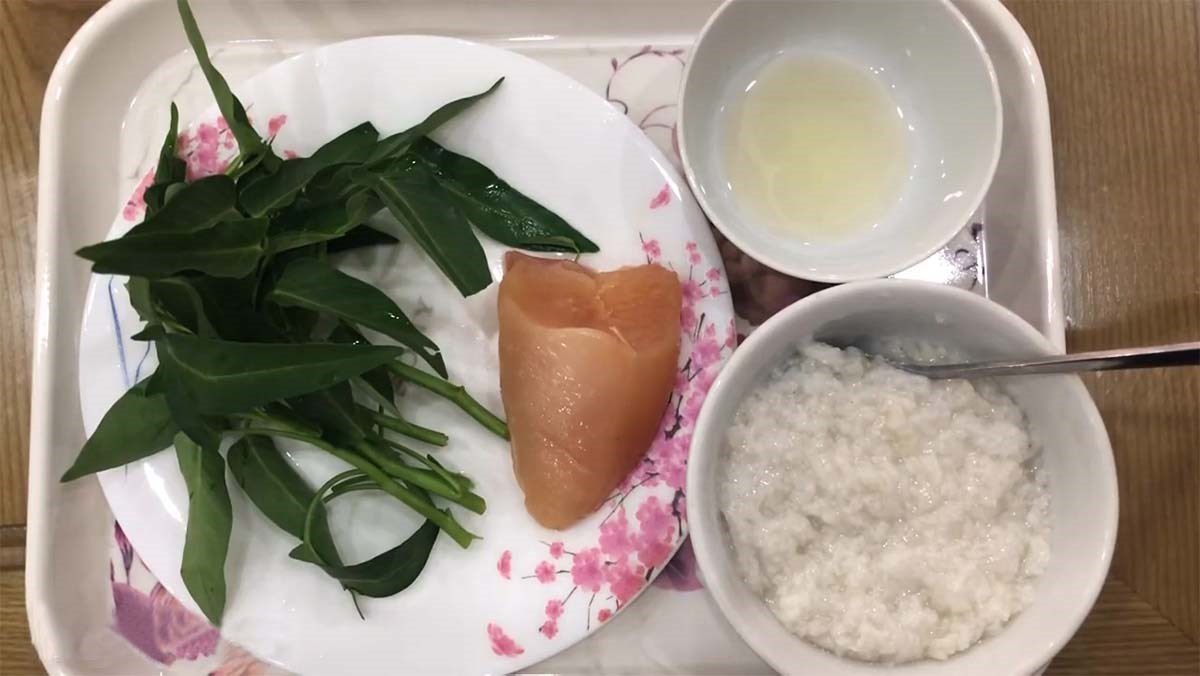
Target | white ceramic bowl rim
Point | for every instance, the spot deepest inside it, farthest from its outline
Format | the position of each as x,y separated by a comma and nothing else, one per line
710,546
778,259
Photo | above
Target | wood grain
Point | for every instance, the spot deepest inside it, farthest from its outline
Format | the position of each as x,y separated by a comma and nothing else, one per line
1124,81
17,657
1125,635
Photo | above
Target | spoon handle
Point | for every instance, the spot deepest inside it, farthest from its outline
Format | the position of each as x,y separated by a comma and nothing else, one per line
1178,354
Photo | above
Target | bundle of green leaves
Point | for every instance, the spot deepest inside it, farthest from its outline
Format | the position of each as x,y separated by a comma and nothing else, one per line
258,334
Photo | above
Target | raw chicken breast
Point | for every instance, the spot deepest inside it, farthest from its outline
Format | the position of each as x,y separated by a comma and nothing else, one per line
587,366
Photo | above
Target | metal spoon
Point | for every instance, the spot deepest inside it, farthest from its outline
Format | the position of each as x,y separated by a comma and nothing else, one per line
1179,354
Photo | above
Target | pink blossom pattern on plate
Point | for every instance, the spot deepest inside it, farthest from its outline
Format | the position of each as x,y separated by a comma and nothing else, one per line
207,149
662,199
154,622
502,643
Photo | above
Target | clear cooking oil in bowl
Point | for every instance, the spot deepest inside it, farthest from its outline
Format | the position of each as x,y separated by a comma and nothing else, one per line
815,148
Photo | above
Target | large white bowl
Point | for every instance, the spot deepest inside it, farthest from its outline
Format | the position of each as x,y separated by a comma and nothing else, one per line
940,77
1061,414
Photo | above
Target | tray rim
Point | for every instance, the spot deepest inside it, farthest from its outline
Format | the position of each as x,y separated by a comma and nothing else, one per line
105,25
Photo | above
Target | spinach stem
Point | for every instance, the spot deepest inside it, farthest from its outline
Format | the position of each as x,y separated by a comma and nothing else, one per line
387,484
359,383
443,519
317,499
426,479
462,481
456,394
408,429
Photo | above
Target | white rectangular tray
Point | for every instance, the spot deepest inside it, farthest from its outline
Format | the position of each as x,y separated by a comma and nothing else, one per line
113,83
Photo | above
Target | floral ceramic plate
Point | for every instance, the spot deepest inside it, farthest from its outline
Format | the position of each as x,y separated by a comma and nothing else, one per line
523,592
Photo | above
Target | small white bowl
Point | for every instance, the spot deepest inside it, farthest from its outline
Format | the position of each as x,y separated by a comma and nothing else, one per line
937,71
1075,454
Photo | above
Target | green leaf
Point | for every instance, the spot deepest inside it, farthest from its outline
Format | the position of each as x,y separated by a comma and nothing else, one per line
210,520
331,184
315,285
138,289
229,304
150,333
137,426
499,210
201,430
227,377
249,142
378,378
390,572
277,419
358,238
227,250
280,188
279,492
178,297
250,171
173,190
301,227
196,206
397,144
429,215
243,166
333,408
169,302
298,323
170,169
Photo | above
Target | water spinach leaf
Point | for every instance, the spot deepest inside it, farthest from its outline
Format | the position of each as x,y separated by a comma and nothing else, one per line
279,189
227,377
397,144
329,222
170,169
390,572
422,207
248,140
194,206
314,284
378,378
205,431
231,305
230,249
333,408
383,575
495,207
279,492
138,289
358,238
178,298
137,426
210,521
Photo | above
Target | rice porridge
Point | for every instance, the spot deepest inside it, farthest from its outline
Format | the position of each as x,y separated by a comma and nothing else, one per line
882,515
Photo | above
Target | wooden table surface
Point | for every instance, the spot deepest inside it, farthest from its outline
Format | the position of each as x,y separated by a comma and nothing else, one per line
1124,81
